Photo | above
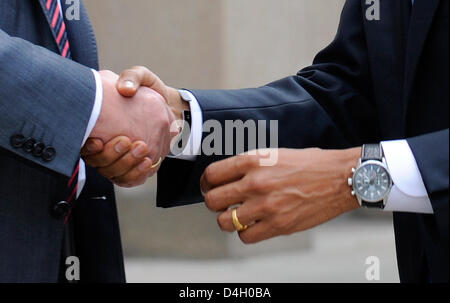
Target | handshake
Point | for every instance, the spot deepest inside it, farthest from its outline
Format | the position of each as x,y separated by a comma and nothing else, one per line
139,119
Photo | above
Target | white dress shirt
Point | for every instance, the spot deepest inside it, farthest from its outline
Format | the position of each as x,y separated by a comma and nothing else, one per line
92,121
91,124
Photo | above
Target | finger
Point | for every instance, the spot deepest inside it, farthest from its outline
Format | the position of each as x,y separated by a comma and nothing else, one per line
221,198
136,176
91,147
227,171
126,163
112,151
156,159
248,213
256,233
131,79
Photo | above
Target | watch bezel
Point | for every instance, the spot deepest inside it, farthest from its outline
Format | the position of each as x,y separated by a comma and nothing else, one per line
361,166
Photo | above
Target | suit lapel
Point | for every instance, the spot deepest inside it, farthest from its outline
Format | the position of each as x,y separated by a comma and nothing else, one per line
421,20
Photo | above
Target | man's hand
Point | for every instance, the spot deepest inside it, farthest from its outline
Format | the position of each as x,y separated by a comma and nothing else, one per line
132,79
144,119
123,162
304,189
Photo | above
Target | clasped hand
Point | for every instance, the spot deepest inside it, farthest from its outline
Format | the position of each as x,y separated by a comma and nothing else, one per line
135,121
305,188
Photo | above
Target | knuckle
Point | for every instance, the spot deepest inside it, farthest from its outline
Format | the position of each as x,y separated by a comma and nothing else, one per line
130,73
162,119
208,176
210,201
279,223
266,208
165,123
99,160
243,162
128,162
221,221
246,239
141,69
251,161
255,184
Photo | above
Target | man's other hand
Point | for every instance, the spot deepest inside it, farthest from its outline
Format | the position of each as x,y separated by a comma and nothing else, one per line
304,189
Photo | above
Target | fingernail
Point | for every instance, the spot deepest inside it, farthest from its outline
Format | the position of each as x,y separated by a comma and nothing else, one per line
139,151
91,146
129,84
121,147
145,166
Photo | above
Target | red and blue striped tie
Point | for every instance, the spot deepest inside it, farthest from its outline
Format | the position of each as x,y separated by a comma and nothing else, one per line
55,18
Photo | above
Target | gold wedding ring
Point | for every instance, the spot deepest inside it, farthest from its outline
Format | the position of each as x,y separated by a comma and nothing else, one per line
239,227
157,163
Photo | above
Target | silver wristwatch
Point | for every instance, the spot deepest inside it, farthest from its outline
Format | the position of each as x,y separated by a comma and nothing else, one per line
371,181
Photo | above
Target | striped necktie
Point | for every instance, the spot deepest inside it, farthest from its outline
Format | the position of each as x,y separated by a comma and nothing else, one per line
55,18
53,13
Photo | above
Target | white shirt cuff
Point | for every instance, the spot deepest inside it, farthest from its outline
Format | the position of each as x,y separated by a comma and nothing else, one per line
193,146
92,121
97,106
408,193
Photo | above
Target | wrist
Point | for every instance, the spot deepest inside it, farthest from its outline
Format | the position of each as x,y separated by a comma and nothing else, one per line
176,103
107,115
349,159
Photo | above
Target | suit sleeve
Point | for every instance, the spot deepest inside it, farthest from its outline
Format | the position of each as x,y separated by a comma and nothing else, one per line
325,105
45,97
431,152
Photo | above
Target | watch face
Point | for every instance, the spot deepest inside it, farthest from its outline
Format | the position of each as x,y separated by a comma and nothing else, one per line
371,182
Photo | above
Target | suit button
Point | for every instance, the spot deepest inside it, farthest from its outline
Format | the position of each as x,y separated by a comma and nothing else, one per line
17,141
60,210
29,145
38,149
48,154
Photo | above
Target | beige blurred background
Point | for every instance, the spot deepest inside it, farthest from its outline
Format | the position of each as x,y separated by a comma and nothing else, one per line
229,44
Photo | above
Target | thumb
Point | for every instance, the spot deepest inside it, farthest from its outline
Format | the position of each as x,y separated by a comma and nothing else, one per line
131,79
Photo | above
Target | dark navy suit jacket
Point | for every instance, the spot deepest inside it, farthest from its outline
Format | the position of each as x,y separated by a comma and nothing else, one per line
378,80
50,99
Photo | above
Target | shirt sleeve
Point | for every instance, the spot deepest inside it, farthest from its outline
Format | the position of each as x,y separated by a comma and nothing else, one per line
408,193
92,121
193,145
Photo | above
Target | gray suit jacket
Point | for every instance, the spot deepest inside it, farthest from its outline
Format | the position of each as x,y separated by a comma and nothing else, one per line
49,99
